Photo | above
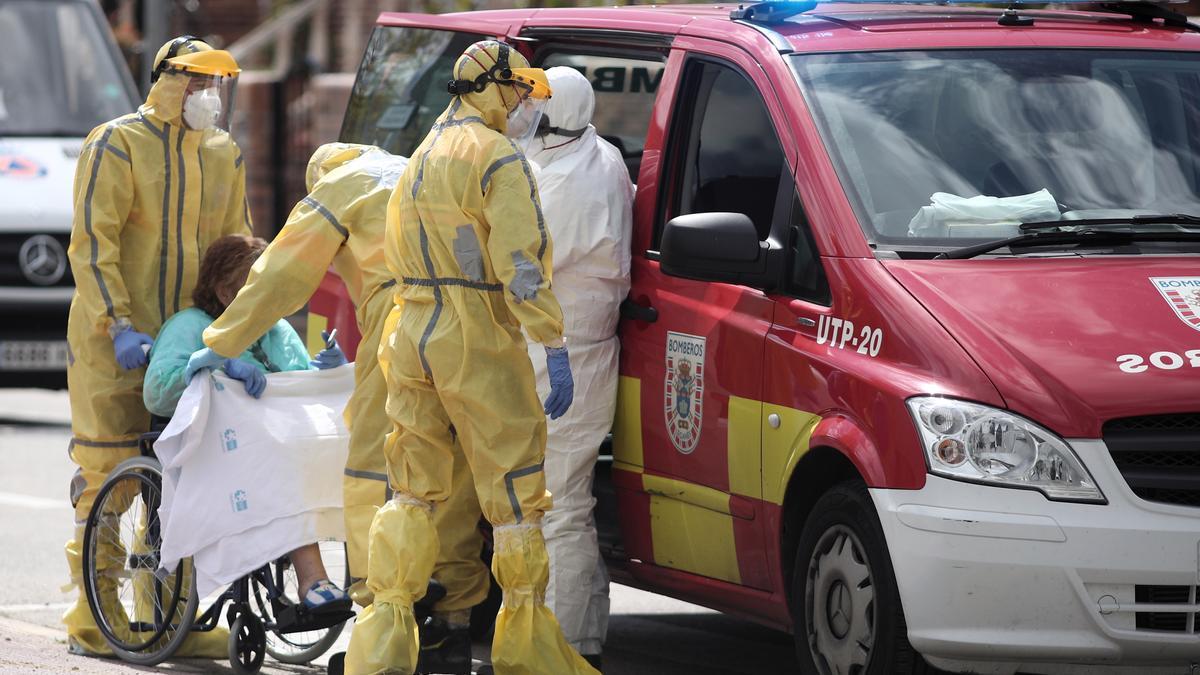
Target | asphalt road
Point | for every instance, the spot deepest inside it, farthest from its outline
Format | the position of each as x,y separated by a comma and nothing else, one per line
648,634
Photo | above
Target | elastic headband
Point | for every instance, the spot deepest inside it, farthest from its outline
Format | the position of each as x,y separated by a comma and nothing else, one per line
172,52
499,73
544,129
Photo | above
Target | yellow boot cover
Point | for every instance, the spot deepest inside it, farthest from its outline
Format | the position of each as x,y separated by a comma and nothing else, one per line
528,639
404,544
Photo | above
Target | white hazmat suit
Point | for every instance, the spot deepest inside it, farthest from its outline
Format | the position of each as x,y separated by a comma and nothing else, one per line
587,199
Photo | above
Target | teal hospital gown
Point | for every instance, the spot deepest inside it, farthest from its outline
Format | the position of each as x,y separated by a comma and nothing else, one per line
281,349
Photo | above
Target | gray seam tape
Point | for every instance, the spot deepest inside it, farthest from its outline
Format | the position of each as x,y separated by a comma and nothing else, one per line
509,479
369,475
161,133
166,226
87,223
103,145
496,166
452,281
425,157
179,219
327,214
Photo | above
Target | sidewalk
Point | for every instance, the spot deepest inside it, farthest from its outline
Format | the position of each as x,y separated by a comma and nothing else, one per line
27,648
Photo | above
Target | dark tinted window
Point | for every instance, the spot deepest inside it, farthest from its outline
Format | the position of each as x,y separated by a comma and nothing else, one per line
734,161
401,86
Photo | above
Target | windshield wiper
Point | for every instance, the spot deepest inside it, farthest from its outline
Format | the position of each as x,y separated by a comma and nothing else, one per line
1089,237
1103,223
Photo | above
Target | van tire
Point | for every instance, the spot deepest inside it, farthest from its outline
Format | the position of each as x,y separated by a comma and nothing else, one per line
842,554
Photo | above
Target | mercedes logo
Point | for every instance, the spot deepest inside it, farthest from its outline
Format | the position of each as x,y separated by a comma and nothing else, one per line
839,610
43,260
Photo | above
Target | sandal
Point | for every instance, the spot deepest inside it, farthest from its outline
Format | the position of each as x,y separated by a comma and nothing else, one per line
325,595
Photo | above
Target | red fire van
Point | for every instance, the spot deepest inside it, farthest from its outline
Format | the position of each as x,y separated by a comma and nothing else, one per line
911,362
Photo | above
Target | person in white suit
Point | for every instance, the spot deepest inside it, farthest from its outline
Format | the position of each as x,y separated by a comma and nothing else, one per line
587,200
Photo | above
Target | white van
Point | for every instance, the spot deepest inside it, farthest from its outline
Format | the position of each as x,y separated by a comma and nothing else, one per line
61,76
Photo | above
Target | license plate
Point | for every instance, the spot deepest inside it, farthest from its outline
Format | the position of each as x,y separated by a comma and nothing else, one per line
33,355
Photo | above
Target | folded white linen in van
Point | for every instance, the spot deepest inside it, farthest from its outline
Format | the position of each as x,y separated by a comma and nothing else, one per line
953,216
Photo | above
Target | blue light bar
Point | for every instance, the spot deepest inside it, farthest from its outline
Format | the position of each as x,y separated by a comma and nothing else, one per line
1003,3
773,11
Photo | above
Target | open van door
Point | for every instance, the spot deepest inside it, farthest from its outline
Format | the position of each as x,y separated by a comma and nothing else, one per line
398,94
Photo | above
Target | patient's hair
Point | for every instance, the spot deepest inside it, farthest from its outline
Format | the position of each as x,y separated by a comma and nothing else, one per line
225,266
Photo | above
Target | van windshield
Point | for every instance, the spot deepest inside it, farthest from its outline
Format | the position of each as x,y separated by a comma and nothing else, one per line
939,148
58,76
401,86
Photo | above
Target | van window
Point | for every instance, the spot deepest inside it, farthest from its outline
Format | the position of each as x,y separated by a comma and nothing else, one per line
625,91
58,76
731,159
1087,133
401,86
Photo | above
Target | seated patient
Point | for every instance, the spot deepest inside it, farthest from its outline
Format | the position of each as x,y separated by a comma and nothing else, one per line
223,271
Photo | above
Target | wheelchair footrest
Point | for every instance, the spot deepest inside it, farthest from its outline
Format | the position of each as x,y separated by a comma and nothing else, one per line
298,618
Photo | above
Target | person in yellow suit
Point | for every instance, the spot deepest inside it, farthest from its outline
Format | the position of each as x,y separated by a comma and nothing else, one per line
152,190
469,248
341,221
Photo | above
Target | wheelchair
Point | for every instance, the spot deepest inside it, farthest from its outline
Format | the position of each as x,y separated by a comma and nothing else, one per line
145,617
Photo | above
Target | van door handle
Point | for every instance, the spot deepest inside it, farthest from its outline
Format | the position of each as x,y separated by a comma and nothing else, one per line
805,321
632,310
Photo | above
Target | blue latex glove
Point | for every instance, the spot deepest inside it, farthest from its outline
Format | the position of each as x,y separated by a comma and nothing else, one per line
201,359
253,378
128,346
330,357
562,385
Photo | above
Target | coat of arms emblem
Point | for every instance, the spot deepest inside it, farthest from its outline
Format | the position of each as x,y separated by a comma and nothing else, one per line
684,390
1183,295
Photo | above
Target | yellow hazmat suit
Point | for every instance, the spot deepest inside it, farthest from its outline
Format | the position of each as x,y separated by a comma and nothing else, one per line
467,243
150,195
341,221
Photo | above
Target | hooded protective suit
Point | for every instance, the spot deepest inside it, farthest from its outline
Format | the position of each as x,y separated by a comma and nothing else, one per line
150,195
341,222
467,243
587,199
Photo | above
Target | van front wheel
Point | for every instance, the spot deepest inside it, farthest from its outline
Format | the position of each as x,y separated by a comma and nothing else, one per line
845,605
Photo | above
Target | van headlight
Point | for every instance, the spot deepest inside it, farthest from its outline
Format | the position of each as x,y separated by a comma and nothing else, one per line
981,444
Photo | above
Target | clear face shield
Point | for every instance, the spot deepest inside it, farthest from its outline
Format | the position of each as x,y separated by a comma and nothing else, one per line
523,122
532,92
208,102
211,83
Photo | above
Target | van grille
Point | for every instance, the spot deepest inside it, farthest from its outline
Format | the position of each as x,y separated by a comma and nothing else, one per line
10,268
1158,455
1185,621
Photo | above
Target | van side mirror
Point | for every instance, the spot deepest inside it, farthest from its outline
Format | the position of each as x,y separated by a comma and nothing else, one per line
712,247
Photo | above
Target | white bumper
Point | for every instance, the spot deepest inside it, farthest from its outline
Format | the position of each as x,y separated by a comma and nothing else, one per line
995,579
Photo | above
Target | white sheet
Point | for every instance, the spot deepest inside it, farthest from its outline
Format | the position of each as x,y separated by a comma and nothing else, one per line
246,480
992,217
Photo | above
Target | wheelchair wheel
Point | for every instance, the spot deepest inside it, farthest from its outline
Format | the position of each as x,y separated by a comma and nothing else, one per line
121,545
247,644
301,647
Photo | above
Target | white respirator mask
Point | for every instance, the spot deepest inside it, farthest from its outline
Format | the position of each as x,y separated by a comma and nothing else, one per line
202,109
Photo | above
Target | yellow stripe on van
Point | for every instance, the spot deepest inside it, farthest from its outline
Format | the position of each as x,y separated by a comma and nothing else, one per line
627,427
687,538
743,439
782,448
